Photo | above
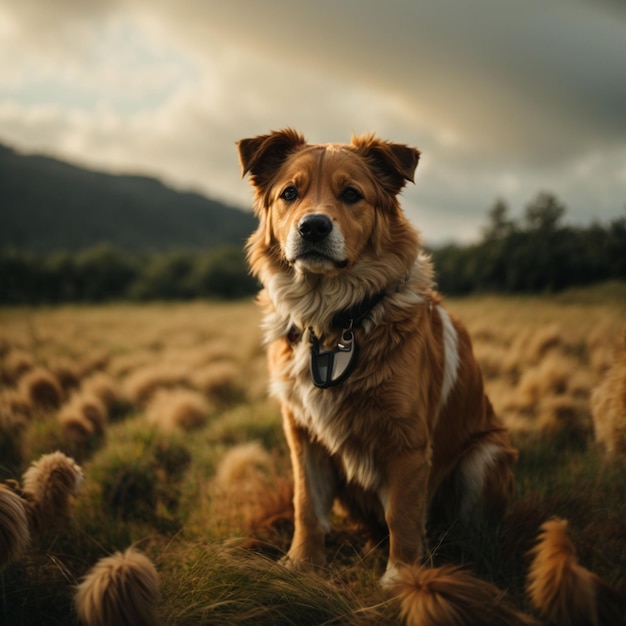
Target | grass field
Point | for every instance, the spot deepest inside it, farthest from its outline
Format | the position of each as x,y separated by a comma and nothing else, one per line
164,408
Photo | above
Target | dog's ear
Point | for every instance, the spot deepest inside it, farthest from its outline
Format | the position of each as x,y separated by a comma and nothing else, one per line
263,155
393,163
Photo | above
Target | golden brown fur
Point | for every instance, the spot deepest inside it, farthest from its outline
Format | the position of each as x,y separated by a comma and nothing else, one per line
120,590
564,592
412,418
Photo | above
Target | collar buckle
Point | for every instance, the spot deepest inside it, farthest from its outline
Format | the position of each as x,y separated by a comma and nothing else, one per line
333,366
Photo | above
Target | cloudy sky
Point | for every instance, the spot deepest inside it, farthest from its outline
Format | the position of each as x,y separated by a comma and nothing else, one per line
505,98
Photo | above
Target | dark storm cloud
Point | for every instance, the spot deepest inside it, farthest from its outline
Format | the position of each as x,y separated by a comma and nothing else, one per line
504,98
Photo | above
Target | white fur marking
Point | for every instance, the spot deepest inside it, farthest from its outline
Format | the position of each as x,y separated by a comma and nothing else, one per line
334,246
473,469
391,576
451,356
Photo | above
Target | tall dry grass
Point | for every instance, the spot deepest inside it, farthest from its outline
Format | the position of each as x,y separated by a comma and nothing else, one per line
41,389
186,409
207,494
14,533
608,404
50,484
542,357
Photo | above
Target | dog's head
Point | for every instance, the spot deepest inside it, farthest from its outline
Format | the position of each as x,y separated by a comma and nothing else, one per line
324,208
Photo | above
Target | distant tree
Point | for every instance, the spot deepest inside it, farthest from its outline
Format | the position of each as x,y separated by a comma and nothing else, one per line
539,253
20,278
616,247
545,212
105,273
62,280
499,225
165,277
222,274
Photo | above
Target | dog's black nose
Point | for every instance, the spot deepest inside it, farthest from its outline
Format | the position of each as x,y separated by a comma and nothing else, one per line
314,227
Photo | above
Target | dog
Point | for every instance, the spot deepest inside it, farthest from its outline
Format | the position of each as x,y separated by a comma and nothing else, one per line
383,404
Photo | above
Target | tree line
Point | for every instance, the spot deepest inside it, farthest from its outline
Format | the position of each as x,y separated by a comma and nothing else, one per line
105,273
536,253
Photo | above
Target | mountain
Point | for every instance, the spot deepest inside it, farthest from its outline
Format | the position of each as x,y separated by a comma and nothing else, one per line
48,205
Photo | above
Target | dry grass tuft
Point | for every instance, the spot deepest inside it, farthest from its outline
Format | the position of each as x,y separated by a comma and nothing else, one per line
14,535
122,365
450,596
564,592
563,413
120,590
218,381
15,403
76,428
251,493
41,389
96,361
67,373
541,341
178,408
600,344
216,350
85,407
107,390
491,358
608,405
242,464
12,426
143,383
14,365
50,483
551,397
549,378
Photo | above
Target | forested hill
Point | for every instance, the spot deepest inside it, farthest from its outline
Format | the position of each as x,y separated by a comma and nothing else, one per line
47,205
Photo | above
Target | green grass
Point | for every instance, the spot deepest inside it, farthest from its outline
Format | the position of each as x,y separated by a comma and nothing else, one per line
156,490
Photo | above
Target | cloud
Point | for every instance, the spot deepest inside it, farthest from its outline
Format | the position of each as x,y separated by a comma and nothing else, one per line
541,78
503,99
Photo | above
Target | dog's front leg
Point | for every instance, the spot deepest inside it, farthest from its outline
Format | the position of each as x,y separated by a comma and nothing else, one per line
405,501
314,492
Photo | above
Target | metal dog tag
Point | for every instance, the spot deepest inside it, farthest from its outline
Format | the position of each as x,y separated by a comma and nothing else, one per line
330,367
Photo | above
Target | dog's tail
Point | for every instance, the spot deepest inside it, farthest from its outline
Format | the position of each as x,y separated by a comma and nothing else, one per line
564,592
451,596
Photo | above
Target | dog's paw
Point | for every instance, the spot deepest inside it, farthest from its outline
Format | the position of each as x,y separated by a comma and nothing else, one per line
295,565
297,562
391,577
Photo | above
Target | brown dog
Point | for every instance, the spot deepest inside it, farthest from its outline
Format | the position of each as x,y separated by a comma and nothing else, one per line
382,401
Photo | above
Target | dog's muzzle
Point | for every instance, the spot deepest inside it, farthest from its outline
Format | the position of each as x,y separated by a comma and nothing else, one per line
316,245
315,227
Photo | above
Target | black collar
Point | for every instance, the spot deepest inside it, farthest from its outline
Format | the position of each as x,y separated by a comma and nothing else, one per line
347,319
355,316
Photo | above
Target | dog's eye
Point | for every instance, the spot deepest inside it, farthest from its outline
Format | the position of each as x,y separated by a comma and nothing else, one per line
289,194
350,195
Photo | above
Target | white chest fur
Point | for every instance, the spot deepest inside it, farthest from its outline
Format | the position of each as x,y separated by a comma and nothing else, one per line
319,410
